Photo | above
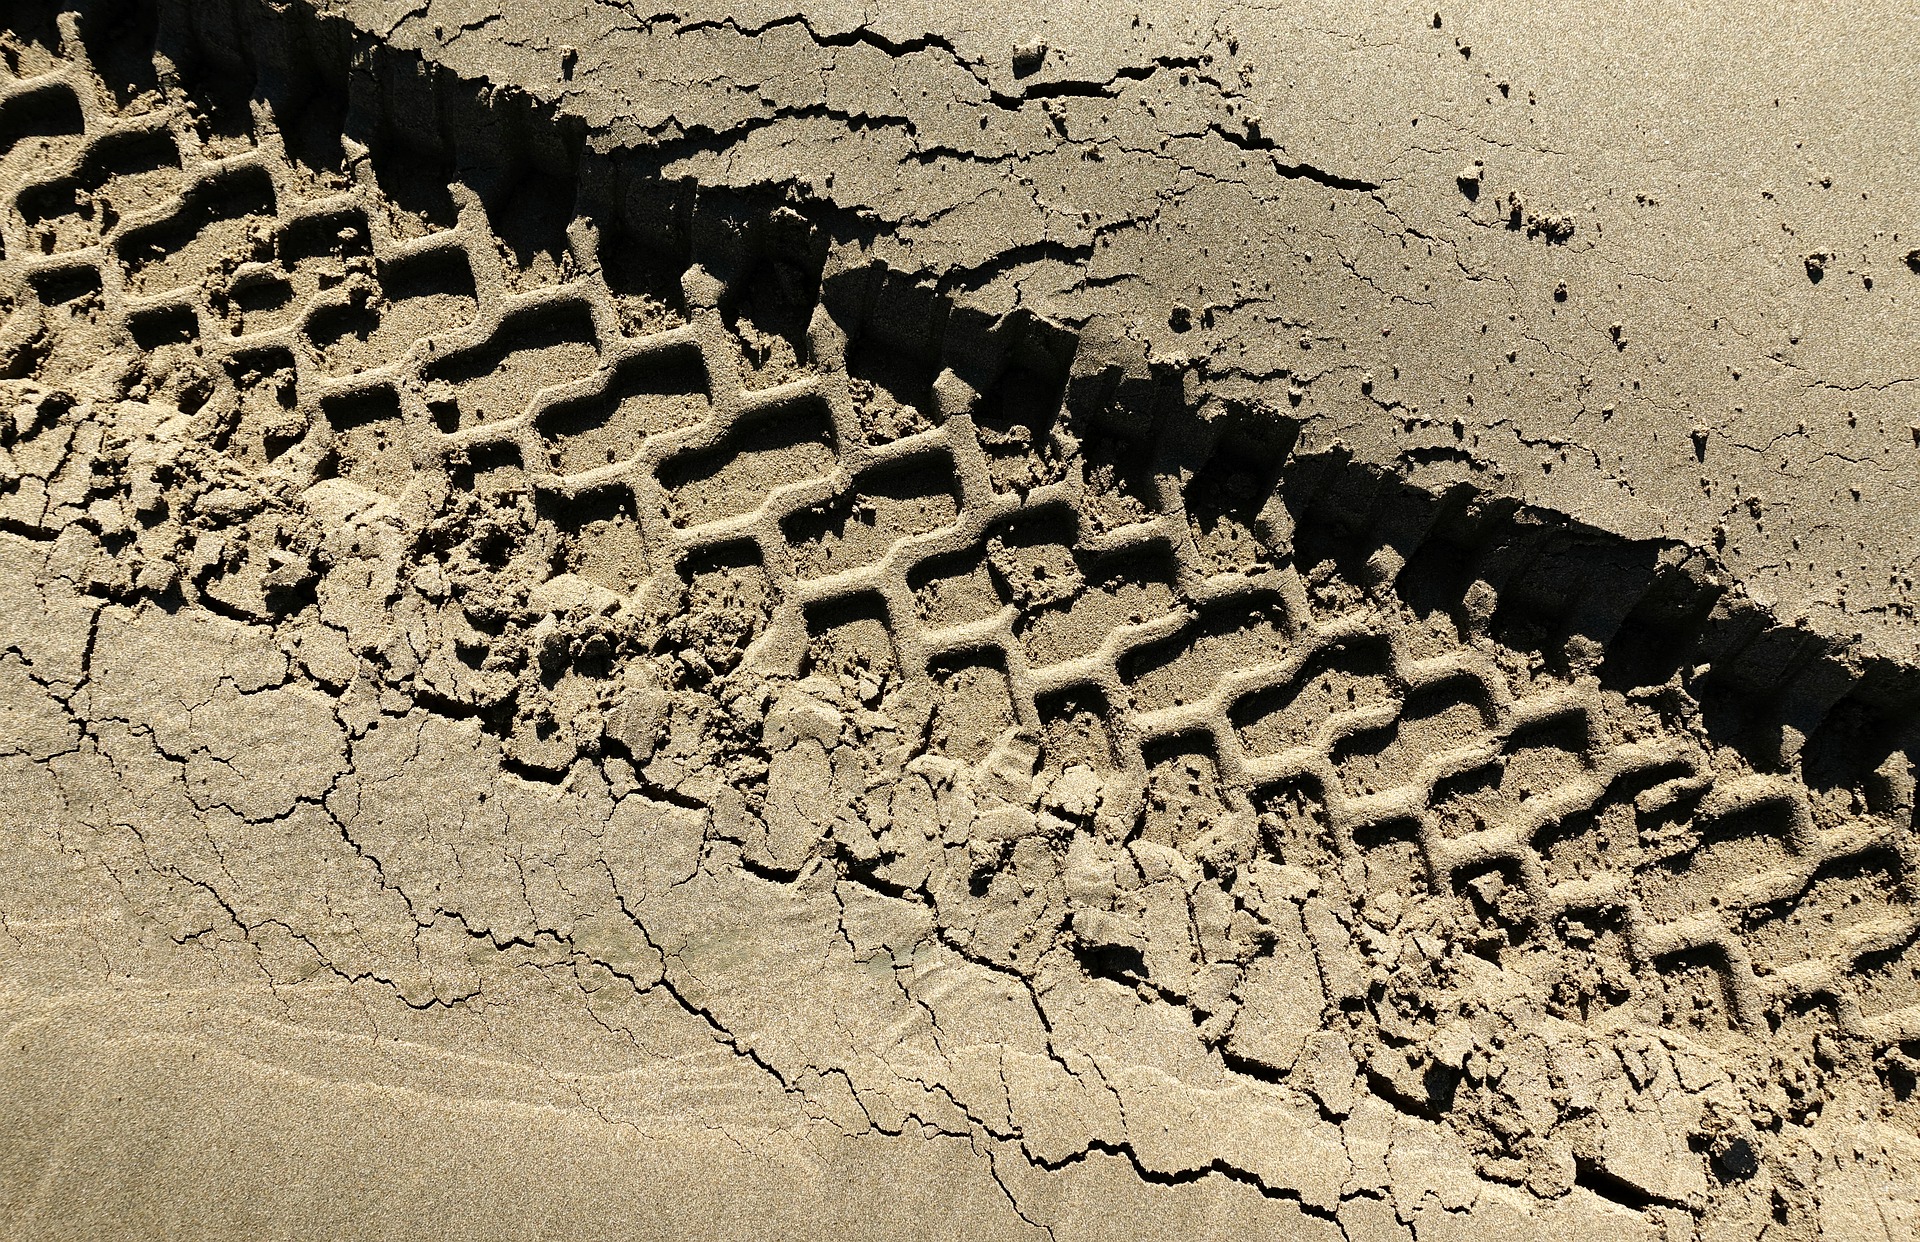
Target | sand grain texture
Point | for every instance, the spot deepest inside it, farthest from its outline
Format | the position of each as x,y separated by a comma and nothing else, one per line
780,624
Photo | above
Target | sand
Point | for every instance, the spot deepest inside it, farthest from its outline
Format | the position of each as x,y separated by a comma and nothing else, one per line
786,624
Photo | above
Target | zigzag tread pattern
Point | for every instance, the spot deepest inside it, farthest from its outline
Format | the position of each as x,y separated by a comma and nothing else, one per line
934,509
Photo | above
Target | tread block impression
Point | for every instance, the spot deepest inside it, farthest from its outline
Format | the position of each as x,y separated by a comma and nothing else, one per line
612,468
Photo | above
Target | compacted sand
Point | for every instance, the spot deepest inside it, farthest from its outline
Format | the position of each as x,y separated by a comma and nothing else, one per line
779,622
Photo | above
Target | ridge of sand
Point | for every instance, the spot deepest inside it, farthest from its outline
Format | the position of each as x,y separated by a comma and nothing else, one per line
1648,267
543,697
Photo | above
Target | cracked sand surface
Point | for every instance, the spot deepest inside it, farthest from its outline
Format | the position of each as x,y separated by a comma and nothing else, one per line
1566,253
555,685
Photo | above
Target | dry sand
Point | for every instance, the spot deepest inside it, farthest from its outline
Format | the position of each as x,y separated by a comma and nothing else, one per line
780,623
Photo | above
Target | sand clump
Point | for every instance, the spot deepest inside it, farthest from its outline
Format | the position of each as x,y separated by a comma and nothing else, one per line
546,695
